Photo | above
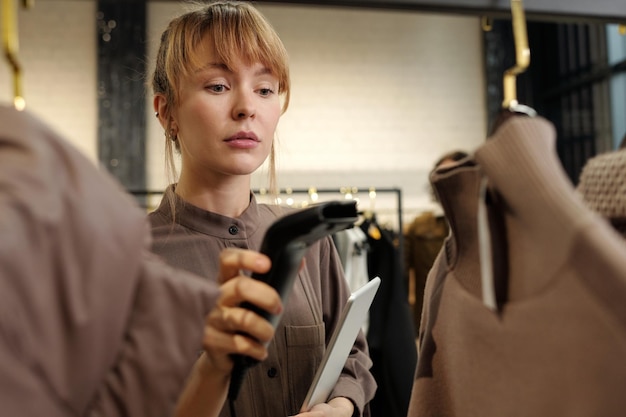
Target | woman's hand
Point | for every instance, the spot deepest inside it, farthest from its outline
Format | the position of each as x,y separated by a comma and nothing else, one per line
337,407
231,329
206,388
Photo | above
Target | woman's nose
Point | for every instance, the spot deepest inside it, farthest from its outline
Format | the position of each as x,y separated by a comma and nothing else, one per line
244,105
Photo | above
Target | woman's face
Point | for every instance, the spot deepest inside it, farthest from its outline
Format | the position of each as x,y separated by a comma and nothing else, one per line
226,117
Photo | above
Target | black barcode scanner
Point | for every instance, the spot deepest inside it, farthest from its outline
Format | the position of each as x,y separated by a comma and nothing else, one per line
285,243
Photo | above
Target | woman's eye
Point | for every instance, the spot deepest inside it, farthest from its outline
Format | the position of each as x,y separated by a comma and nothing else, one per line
217,88
266,91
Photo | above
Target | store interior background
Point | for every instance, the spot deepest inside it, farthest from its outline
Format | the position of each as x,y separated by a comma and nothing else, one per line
377,95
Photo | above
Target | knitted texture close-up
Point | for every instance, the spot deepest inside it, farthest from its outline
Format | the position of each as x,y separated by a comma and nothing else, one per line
602,186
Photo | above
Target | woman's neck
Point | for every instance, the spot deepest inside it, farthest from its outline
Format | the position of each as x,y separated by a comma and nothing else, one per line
229,197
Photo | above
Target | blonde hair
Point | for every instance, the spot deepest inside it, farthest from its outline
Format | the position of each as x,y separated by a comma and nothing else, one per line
237,30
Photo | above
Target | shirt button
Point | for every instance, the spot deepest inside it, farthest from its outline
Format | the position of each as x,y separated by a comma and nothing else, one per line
272,372
233,230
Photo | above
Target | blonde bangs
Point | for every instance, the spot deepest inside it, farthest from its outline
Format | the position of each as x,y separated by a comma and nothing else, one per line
236,31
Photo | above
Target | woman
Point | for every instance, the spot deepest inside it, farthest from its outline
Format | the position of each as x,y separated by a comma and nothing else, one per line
221,83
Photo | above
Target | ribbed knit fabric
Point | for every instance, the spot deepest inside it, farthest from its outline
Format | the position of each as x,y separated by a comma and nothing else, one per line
602,186
557,345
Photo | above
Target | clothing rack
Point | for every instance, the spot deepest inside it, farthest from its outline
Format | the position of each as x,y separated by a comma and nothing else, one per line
346,193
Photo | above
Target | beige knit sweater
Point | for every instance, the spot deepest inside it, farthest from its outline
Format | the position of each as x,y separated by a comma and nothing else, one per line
557,345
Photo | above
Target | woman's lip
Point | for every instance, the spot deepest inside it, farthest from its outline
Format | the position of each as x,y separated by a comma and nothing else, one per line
243,140
243,136
242,143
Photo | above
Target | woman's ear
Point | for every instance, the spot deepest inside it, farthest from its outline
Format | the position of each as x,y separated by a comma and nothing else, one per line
161,110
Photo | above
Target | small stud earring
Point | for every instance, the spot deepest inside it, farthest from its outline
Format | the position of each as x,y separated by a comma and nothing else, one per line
156,114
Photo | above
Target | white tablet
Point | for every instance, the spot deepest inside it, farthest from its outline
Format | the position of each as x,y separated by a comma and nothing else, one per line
352,318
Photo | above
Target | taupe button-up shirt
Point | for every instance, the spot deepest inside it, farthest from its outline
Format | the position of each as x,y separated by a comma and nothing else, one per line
277,386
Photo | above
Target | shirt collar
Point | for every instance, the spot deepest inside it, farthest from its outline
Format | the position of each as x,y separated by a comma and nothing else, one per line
209,223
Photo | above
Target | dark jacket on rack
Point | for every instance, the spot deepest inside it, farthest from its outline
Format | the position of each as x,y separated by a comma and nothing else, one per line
91,324
391,335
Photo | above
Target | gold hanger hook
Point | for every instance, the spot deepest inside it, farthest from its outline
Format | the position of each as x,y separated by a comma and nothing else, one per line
522,55
10,46
486,23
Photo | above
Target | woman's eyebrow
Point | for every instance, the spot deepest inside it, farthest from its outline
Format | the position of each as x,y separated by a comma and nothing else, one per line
221,66
214,65
263,71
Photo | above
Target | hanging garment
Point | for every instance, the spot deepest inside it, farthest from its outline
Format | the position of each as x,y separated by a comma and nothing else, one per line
556,344
352,248
602,186
423,240
391,335
90,322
